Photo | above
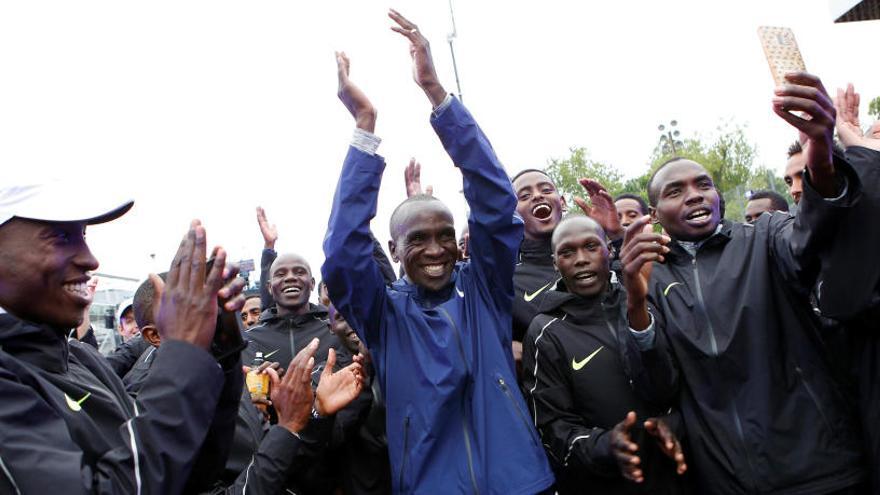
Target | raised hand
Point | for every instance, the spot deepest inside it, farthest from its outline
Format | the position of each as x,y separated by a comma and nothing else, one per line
624,450
641,247
806,94
667,441
189,297
269,231
337,390
292,395
352,97
423,64
602,210
412,176
849,129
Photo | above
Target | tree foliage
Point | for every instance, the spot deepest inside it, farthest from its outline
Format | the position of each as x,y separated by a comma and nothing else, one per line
727,154
874,108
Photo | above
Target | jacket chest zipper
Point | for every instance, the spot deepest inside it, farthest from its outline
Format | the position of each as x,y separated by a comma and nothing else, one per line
701,304
292,341
464,413
506,390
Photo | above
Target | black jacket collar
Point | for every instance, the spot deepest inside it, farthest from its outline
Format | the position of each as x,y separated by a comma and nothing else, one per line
316,311
536,251
678,254
42,345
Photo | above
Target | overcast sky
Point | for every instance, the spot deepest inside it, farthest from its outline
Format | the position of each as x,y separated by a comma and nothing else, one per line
206,109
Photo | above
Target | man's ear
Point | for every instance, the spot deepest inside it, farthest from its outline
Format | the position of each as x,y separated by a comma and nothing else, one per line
555,267
653,212
312,284
564,204
151,335
392,248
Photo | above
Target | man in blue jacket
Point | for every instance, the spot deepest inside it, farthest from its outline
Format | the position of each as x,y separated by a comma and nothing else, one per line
440,338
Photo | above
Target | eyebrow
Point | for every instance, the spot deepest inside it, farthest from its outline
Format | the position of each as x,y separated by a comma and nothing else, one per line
539,184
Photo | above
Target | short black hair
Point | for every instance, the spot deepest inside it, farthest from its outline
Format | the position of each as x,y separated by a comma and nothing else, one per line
528,171
635,197
652,194
795,148
777,202
568,218
143,301
418,198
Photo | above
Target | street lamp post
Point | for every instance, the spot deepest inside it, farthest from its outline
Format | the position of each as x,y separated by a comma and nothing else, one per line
669,138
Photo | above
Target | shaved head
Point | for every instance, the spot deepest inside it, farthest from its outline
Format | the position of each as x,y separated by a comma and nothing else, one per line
575,223
290,258
412,206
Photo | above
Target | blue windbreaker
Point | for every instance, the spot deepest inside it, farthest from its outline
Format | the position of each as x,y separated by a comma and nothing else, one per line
456,420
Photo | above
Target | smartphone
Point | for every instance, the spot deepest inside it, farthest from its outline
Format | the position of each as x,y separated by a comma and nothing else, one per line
782,52
228,338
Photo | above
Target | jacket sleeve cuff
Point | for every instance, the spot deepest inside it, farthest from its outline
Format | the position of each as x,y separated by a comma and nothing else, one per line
280,443
645,338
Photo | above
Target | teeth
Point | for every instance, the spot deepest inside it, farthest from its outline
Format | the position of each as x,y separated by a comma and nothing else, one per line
434,270
585,276
292,290
698,214
77,289
542,211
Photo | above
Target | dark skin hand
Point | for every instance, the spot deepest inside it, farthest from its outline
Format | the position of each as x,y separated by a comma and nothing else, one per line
625,451
806,94
292,395
603,210
269,231
412,177
423,64
353,98
188,298
641,247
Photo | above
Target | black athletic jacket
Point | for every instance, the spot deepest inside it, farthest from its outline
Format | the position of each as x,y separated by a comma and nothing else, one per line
577,390
533,281
743,359
279,338
67,425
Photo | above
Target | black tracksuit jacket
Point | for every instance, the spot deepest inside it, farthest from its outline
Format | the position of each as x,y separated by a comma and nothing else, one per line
280,338
533,281
738,352
68,426
576,387
850,292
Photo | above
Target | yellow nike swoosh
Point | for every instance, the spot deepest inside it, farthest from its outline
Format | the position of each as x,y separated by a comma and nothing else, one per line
666,290
578,365
76,405
528,297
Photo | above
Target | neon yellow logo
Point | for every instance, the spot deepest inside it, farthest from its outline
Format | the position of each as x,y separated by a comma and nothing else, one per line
268,355
577,365
76,405
666,290
528,297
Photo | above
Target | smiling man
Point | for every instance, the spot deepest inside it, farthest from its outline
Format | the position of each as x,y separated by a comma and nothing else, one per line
66,422
727,309
440,338
286,327
575,382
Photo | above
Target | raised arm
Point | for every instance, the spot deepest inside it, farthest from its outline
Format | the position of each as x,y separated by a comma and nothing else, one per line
831,186
270,236
495,231
354,281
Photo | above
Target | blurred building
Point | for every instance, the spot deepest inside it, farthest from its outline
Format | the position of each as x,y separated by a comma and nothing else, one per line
112,290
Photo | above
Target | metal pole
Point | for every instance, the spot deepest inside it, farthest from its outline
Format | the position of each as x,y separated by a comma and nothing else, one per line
451,38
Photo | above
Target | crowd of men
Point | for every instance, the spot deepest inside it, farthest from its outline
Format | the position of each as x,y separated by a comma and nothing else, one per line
613,346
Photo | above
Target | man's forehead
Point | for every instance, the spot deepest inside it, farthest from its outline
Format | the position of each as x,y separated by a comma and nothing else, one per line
290,261
627,203
679,170
577,228
531,179
423,213
796,164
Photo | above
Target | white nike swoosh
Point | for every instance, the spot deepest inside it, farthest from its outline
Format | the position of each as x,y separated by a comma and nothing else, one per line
460,292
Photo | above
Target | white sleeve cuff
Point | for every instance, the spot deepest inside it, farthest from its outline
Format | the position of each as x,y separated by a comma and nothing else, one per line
645,338
443,105
365,141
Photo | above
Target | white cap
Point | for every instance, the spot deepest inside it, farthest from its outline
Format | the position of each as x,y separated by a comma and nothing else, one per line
60,202
128,303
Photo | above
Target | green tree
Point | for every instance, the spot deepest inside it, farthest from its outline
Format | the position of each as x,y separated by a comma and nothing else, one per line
874,108
565,173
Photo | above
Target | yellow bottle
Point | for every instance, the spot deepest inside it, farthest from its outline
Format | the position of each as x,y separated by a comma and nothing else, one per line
258,383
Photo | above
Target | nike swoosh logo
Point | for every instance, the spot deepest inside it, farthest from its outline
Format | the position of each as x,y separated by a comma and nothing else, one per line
76,405
460,292
528,297
270,354
666,290
577,365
